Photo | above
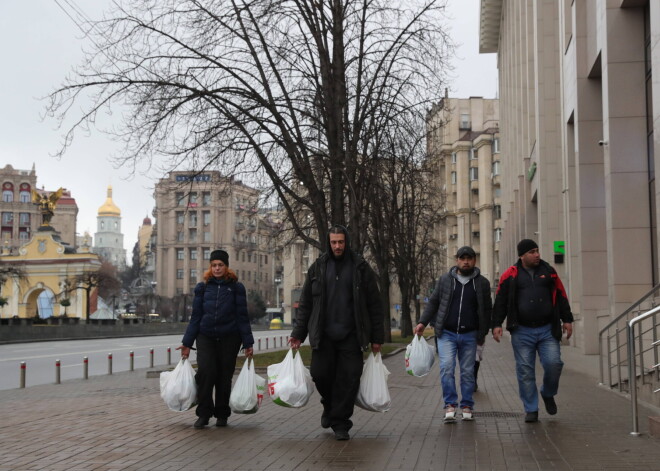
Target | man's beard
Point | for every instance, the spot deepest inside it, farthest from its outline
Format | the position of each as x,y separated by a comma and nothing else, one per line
466,272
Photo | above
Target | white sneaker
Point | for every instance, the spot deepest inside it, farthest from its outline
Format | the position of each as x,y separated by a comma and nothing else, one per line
450,415
467,413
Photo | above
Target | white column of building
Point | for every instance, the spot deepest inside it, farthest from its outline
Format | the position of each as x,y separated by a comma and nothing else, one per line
626,169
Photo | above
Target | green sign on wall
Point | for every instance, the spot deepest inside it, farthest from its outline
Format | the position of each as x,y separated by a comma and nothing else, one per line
560,246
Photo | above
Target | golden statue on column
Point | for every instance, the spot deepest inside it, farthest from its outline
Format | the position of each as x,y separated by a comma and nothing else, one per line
47,204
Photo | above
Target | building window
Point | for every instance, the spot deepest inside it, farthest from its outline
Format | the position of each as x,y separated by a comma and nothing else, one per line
7,196
102,225
265,259
206,198
249,258
192,200
497,211
179,274
7,218
193,274
465,121
496,145
192,235
192,219
179,236
453,178
498,234
243,256
206,216
24,219
180,199
473,154
249,273
24,196
496,168
179,217
193,254
207,237
179,254
453,158
474,174
23,235
206,253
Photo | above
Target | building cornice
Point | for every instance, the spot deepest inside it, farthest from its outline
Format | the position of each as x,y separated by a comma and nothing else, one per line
489,26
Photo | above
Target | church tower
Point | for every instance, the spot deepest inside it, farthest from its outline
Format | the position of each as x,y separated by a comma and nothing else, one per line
108,239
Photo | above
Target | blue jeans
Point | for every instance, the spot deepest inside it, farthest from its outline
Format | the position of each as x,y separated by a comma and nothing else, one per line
451,344
526,341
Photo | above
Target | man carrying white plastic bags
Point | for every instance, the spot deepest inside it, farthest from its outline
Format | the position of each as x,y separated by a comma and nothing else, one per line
341,311
460,308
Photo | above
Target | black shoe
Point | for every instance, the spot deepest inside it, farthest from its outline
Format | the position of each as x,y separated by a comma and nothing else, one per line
341,435
222,422
532,417
325,421
550,405
201,422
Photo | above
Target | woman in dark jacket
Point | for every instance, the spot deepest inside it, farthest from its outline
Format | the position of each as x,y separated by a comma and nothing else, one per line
219,324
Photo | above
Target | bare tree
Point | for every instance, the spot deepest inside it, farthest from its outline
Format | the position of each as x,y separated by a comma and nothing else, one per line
404,217
104,280
292,91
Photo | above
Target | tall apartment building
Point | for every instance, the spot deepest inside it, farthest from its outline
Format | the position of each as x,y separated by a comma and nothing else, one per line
20,218
578,116
463,139
197,213
108,239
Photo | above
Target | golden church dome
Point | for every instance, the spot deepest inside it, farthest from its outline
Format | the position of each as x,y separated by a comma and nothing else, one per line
109,208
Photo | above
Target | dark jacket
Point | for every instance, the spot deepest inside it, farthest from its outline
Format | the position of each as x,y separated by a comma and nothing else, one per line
506,302
438,306
367,309
219,309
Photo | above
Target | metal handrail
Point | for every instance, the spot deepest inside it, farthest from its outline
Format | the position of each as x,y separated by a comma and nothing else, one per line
632,365
612,323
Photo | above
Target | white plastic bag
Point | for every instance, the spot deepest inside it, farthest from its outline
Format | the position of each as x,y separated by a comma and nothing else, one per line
419,357
178,388
373,394
248,391
289,382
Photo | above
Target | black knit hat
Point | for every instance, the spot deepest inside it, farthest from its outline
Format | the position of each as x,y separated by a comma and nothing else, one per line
220,255
525,246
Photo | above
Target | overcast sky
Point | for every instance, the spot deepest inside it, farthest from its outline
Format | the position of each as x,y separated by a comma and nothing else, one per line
40,44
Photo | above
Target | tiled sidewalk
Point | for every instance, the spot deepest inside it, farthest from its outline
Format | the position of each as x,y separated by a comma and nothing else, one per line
119,422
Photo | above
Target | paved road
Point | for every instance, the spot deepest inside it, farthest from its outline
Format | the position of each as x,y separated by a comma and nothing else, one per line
40,357
119,422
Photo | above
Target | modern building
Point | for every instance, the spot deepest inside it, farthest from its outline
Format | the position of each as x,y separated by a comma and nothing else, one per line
20,217
108,239
197,213
578,93
462,140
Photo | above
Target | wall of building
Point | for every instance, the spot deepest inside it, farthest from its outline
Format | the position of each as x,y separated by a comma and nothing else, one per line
573,75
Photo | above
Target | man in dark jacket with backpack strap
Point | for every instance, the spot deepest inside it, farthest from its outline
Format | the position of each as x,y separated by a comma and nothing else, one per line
340,309
460,310
533,300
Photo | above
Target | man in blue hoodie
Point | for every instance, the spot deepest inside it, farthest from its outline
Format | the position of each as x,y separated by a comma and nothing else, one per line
460,309
340,309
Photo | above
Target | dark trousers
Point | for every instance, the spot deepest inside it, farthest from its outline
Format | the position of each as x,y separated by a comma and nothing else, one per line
216,362
336,369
